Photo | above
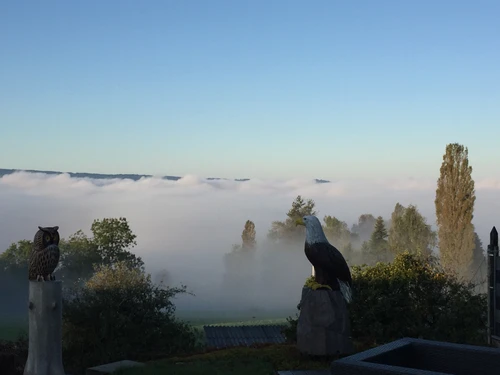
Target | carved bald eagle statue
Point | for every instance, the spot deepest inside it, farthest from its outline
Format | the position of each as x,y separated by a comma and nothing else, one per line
330,267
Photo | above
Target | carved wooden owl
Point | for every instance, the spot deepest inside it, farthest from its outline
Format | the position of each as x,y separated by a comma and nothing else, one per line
45,254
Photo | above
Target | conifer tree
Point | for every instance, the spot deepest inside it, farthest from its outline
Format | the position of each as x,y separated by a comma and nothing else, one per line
378,245
288,230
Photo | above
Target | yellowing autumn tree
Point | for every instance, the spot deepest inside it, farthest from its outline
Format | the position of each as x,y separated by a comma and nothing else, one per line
455,197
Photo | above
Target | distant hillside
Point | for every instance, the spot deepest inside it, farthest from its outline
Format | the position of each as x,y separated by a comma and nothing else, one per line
134,177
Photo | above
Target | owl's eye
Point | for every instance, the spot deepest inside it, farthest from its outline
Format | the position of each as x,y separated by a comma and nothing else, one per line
47,238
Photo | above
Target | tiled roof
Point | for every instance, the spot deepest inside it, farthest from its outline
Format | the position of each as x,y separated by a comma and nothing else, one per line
228,336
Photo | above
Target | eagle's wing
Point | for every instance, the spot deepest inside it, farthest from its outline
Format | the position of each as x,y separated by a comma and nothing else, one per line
332,261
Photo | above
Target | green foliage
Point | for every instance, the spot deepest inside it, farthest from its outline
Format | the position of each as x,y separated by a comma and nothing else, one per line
348,252
337,232
248,235
13,326
410,232
111,242
280,357
247,239
290,330
377,249
17,255
288,230
414,297
162,278
239,263
241,366
455,198
13,355
79,254
114,240
364,228
314,285
120,313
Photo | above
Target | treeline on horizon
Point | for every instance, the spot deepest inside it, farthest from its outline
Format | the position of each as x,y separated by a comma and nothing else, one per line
373,239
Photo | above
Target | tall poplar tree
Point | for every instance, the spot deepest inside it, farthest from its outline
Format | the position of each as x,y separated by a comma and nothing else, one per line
248,235
455,197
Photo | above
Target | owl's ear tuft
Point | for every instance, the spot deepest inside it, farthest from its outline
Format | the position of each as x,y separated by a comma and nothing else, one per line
40,228
56,228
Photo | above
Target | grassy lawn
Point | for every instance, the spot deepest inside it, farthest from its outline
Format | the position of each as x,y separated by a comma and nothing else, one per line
247,367
261,360
243,323
11,328
201,318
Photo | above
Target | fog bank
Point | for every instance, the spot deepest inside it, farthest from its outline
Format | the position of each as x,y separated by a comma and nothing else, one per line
187,226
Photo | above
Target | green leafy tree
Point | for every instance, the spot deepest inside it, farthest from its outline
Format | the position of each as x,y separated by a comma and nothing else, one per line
455,198
287,230
79,255
410,232
14,281
17,254
162,278
348,252
363,229
337,232
120,313
114,240
365,249
239,262
248,236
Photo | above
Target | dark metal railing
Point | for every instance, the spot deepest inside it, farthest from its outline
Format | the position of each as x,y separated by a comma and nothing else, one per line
493,289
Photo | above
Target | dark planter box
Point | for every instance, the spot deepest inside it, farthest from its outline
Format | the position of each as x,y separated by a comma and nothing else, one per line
420,357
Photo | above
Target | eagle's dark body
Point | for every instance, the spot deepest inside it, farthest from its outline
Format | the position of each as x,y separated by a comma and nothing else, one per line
45,254
329,264
330,267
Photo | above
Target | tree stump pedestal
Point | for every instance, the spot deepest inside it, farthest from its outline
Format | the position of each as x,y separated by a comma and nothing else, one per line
45,333
323,328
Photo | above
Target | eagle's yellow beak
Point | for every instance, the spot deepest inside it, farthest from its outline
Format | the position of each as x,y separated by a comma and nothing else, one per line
300,221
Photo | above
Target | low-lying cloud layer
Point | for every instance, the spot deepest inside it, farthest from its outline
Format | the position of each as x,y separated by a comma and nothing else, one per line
186,226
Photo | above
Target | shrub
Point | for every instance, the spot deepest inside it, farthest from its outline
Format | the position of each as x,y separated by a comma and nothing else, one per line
413,297
290,330
13,355
120,314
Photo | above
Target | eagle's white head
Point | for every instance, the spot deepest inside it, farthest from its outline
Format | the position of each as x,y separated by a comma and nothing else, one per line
314,230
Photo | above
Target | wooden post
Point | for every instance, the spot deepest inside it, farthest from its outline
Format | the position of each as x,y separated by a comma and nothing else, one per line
45,329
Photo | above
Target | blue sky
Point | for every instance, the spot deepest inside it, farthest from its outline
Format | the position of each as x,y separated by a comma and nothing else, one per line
327,89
